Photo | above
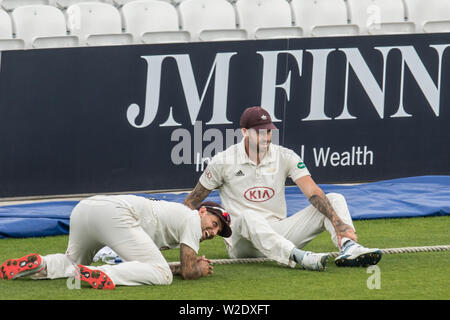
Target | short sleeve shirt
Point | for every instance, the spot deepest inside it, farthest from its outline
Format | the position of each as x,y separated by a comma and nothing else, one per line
168,223
247,187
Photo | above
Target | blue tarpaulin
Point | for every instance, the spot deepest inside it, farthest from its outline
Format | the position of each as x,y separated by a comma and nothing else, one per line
396,198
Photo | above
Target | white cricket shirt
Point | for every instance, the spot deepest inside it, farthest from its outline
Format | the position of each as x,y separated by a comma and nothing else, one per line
168,223
247,187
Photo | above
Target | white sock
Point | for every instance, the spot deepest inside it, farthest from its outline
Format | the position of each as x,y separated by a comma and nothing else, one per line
42,273
297,255
347,242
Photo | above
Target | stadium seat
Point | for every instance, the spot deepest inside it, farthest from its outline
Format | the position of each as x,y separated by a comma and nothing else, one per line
209,20
322,17
10,5
265,19
379,16
120,3
96,24
152,21
63,4
7,42
430,15
42,26
174,2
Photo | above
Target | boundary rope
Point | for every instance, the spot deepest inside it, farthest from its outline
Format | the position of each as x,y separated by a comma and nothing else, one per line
332,255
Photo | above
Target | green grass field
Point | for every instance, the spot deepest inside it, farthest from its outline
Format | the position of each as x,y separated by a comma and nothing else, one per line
402,276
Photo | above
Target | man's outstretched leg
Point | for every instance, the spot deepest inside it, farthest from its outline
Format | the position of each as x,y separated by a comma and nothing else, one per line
303,226
253,237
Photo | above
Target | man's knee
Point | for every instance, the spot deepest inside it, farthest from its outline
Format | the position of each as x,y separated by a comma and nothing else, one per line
158,274
166,276
335,197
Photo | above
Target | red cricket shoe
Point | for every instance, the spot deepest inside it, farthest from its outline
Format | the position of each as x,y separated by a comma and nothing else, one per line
15,268
96,278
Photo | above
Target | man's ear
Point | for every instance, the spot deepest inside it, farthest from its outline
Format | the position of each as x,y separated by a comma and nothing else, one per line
244,132
202,211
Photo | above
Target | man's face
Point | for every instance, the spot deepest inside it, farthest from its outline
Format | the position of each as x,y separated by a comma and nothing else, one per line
258,140
211,224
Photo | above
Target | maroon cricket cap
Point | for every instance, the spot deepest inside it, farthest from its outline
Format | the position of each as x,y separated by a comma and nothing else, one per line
256,118
219,211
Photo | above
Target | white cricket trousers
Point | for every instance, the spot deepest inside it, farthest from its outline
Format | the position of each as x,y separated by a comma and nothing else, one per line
98,223
254,236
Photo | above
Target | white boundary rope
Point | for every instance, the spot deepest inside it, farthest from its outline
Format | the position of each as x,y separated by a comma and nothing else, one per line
332,255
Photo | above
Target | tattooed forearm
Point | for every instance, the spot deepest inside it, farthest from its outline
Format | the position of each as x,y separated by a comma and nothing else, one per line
189,268
321,203
196,197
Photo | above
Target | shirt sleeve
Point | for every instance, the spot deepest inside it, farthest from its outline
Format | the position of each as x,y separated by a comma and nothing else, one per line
295,166
211,178
192,233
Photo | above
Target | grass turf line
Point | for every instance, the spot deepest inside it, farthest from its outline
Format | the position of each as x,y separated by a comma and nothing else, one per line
403,276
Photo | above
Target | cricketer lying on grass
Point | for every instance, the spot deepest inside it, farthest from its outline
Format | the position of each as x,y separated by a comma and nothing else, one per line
136,228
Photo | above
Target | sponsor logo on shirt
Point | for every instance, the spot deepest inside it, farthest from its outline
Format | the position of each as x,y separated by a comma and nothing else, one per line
301,165
239,174
259,194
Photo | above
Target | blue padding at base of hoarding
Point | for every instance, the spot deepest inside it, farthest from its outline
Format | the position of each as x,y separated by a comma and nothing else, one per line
396,198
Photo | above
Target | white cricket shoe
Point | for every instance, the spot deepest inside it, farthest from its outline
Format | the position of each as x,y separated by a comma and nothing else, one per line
355,255
314,261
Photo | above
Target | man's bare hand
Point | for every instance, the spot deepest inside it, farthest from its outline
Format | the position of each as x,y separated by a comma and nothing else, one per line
205,266
344,231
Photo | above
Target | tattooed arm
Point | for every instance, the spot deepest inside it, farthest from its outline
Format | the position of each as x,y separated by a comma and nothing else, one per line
191,266
196,197
320,201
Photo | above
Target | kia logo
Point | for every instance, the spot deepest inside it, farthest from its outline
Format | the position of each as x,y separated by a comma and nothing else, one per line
259,194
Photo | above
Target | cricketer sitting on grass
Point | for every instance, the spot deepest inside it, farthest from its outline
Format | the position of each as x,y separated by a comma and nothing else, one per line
136,228
251,176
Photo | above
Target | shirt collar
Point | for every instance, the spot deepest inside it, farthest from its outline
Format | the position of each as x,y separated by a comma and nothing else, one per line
244,158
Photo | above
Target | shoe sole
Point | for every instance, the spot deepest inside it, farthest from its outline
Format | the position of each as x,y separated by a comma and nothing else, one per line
14,268
363,260
96,278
